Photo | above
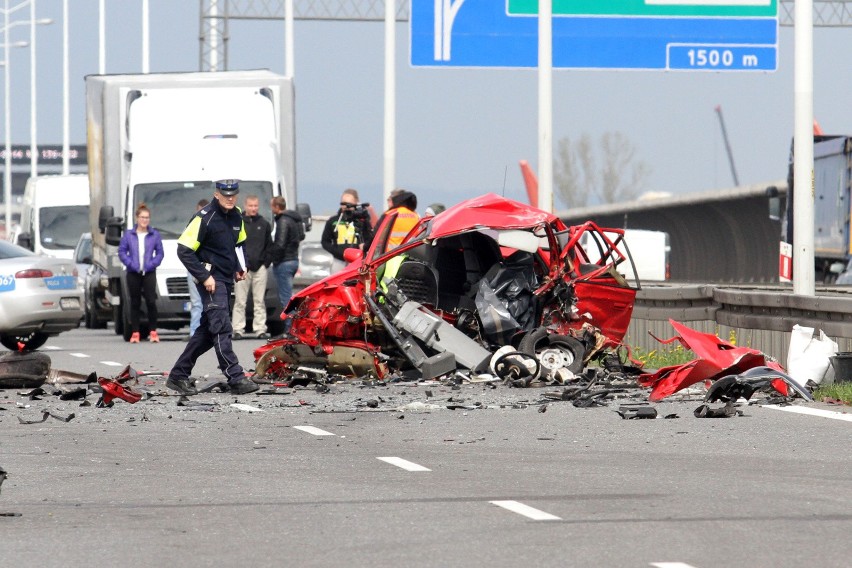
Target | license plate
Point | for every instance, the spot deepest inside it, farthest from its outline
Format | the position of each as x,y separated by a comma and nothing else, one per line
61,282
69,303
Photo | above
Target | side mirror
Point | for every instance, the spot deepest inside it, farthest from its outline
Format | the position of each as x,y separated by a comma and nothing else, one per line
304,211
25,240
351,255
87,260
774,201
104,215
113,231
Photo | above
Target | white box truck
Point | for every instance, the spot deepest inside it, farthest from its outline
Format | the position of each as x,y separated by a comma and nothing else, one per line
163,139
55,213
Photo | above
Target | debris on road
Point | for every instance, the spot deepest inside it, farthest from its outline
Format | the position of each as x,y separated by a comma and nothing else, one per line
45,416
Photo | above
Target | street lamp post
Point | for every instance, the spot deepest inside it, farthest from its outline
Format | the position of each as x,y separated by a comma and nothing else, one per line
7,164
33,132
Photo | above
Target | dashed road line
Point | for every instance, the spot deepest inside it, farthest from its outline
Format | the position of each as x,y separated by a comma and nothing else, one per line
111,363
313,430
404,464
526,510
80,355
671,565
812,412
52,348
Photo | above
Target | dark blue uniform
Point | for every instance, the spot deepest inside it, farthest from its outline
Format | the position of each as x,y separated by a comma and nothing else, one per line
207,248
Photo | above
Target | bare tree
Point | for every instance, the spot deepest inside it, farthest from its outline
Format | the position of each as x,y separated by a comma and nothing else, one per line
579,179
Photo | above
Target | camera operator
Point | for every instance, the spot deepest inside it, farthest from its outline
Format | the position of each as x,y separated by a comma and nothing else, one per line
351,228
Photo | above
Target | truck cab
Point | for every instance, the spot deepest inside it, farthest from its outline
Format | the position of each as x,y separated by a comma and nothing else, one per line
163,140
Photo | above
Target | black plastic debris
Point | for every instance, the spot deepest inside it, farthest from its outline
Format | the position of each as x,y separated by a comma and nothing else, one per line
3,476
45,416
74,394
727,411
632,412
744,385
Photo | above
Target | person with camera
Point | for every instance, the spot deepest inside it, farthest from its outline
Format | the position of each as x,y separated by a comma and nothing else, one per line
351,228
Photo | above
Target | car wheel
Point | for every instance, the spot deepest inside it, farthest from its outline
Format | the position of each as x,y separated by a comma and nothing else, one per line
553,351
30,342
23,370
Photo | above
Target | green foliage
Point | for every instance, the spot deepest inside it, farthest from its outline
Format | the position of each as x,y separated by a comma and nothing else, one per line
837,391
664,356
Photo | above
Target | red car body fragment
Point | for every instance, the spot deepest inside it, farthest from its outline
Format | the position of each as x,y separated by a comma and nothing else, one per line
716,358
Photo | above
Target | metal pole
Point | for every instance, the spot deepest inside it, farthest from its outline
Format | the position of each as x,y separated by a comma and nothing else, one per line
390,99
289,40
146,64
66,144
7,163
728,146
803,152
545,105
101,37
33,133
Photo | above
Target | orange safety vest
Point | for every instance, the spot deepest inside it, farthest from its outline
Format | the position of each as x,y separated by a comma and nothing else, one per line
405,221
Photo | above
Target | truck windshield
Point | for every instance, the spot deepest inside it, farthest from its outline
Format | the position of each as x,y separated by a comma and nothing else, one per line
173,204
61,227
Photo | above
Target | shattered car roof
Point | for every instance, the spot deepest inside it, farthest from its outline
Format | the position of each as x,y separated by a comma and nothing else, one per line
491,211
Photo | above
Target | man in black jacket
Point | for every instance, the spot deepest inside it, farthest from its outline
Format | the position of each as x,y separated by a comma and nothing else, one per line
208,248
258,239
284,252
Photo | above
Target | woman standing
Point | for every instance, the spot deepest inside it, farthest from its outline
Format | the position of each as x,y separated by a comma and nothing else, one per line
141,251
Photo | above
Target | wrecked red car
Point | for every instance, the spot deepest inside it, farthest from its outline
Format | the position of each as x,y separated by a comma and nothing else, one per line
485,273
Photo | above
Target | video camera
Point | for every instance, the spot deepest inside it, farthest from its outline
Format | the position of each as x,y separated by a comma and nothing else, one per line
355,211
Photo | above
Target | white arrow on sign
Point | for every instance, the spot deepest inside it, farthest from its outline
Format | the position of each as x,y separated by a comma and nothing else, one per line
445,15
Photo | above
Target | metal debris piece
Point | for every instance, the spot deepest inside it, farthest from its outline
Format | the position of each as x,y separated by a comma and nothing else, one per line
44,417
3,476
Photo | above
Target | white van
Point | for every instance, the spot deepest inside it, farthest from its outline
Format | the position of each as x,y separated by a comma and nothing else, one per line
649,250
55,213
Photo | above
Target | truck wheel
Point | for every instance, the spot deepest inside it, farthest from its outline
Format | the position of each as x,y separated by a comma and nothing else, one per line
31,341
553,351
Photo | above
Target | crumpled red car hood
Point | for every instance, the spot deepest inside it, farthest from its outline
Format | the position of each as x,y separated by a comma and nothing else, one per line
489,210
716,358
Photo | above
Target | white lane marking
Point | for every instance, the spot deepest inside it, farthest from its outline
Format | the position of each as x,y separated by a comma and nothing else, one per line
404,464
81,355
526,511
313,430
812,411
52,347
671,565
111,363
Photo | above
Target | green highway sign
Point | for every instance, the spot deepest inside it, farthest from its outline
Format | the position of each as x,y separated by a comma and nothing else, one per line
651,8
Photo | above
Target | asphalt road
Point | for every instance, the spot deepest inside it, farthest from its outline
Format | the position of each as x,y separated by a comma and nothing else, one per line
322,479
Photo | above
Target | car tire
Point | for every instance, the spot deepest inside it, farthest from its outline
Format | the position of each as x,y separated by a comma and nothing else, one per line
554,351
31,341
23,370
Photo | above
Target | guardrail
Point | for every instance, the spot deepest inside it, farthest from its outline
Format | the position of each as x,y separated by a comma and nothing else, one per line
761,318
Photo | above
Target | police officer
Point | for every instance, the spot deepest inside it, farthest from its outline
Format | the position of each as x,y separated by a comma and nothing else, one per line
208,248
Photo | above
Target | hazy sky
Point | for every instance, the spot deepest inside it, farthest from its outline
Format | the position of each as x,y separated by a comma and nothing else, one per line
460,132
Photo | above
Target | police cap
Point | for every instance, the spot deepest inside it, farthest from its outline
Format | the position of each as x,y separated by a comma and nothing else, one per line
228,187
